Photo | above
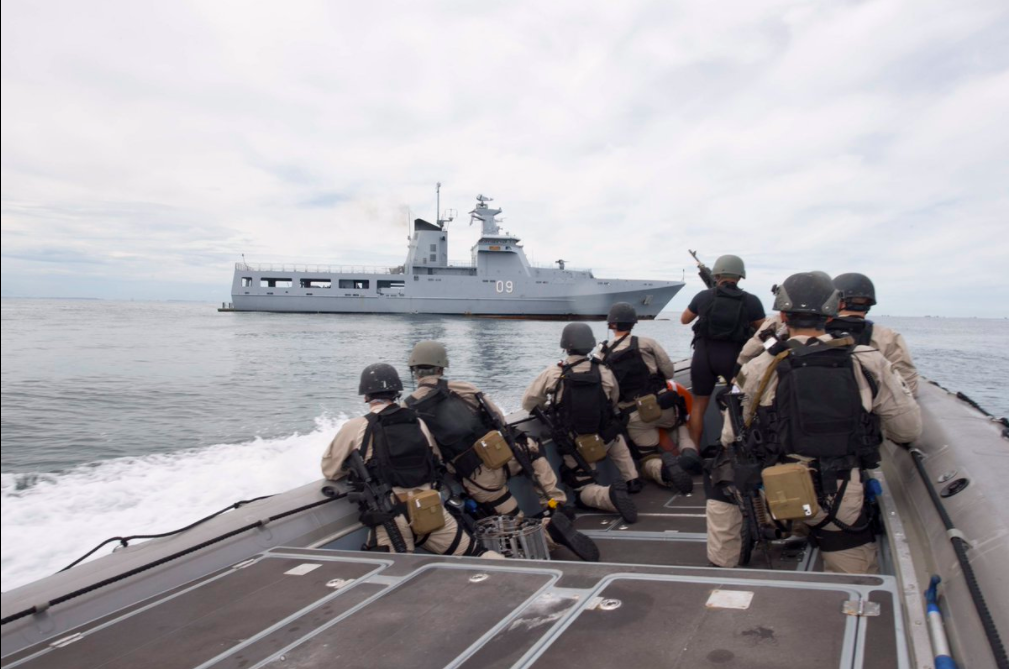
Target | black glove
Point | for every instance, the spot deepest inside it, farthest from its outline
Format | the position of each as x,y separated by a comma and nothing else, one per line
690,460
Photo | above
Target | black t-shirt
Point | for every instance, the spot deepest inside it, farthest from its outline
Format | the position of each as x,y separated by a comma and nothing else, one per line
753,309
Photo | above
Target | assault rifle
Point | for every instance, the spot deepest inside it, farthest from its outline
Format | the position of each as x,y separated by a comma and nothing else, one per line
746,469
703,271
375,499
565,444
519,446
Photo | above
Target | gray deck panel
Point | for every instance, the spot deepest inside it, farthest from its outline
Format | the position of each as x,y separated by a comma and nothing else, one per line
195,626
298,628
880,635
666,624
427,621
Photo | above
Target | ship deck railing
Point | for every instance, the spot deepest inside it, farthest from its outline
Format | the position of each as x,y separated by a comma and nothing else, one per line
318,269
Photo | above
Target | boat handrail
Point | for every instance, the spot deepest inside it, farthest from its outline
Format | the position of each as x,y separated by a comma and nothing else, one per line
321,269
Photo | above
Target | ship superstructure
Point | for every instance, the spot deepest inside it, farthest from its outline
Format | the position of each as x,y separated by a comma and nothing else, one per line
498,281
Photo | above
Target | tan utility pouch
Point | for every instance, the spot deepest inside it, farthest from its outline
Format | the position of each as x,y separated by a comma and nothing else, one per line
789,491
493,450
591,447
425,511
649,410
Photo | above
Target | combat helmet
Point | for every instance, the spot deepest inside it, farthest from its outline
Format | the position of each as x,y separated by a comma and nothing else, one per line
379,378
729,266
428,353
852,285
811,293
622,313
577,338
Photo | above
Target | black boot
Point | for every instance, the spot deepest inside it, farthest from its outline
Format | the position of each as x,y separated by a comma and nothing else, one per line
621,499
564,533
634,486
674,475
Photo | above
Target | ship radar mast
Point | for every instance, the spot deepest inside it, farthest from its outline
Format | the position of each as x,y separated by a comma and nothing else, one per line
486,216
440,217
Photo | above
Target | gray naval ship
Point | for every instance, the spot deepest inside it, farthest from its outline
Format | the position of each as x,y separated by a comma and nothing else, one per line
499,281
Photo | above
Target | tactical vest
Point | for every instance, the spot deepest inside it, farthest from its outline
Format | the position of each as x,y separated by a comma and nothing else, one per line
859,328
583,407
400,452
817,410
631,371
455,425
724,317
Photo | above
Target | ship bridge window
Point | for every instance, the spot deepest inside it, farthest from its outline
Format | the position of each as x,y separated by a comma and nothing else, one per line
356,284
383,283
316,283
246,282
434,247
269,282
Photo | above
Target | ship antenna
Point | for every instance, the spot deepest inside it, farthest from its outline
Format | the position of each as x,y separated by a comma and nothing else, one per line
437,203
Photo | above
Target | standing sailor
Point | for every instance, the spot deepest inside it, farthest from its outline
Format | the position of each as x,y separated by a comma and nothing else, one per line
826,404
728,316
580,397
468,429
400,453
858,295
641,367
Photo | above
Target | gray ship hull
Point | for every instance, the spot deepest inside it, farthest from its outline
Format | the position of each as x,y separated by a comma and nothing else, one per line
459,296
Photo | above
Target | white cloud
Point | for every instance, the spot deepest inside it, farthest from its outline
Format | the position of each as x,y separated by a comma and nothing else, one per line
154,143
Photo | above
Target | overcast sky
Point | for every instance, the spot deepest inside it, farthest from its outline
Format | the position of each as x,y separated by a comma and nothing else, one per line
147,145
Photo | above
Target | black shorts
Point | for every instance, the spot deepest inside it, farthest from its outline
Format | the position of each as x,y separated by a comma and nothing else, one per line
711,360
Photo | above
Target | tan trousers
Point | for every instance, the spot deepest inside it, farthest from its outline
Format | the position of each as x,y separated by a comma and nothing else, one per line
490,486
725,522
592,494
646,435
651,467
437,542
725,527
618,452
861,559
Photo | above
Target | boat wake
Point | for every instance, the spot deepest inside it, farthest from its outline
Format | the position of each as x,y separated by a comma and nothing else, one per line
50,520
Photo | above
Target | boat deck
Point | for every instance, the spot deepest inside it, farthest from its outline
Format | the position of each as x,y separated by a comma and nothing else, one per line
651,601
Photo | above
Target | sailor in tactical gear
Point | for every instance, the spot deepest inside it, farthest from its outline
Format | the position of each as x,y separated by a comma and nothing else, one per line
641,367
726,318
824,403
581,396
400,451
456,414
858,295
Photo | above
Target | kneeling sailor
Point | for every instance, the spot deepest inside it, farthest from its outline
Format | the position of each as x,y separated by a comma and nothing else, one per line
481,450
641,367
399,453
577,399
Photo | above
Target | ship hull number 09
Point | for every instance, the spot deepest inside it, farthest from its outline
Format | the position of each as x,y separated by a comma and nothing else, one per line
504,286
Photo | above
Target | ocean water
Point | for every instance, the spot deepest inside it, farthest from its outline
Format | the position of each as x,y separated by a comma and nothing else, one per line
130,418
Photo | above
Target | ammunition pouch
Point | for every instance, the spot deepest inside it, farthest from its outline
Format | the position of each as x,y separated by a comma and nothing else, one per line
648,408
591,447
425,511
790,492
493,450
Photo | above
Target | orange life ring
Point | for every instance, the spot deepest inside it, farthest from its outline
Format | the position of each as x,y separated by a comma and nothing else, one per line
681,390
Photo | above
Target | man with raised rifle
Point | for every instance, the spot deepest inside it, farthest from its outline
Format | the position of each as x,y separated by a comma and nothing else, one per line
482,450
394,471
817,408
576,400
641,367
726,318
